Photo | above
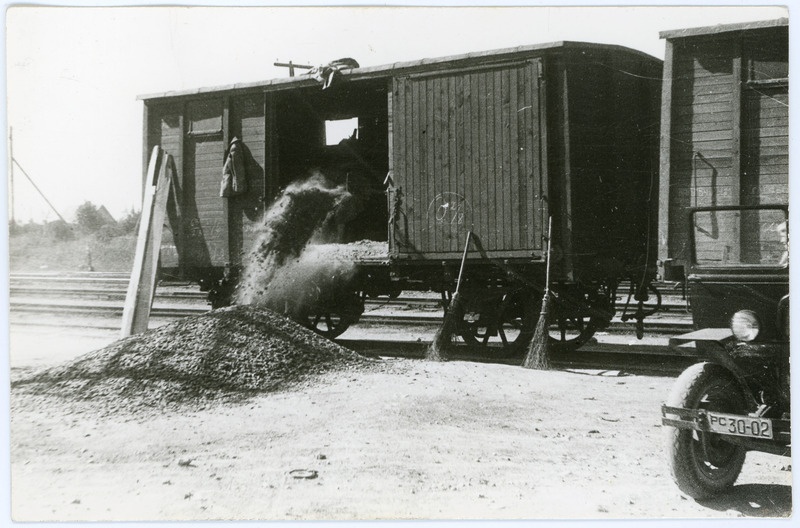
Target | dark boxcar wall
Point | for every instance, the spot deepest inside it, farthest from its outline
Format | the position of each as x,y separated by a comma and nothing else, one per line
611,171
466,156
213,231
727,127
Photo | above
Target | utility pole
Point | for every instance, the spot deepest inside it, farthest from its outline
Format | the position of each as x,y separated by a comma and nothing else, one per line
11,171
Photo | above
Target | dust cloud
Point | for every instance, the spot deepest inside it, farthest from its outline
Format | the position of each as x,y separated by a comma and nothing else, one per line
286,270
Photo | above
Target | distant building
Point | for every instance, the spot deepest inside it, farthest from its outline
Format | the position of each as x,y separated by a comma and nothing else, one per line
106,217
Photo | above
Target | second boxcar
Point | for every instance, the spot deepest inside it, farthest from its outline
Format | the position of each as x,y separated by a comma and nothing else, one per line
725,129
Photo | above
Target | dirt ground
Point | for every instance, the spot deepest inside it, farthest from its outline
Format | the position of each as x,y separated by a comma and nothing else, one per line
409,440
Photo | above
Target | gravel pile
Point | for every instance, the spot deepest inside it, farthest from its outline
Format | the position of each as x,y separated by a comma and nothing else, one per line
228,354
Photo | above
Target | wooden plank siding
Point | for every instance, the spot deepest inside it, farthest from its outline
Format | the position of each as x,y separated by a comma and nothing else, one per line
765,168
247,122
726,127
205,219
701,134
471,164
164,125
213,231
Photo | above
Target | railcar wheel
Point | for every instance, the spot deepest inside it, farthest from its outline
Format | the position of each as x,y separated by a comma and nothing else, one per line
576,315
569,333
329,324
507,320
331,318
704,464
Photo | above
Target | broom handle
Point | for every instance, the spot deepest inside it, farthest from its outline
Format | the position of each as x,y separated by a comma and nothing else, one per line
463,261
547,264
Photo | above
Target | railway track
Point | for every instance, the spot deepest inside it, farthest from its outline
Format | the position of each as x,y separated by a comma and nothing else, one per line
103,296
399,327
588,360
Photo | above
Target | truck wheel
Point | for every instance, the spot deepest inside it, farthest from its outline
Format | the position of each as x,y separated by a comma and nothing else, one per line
704,464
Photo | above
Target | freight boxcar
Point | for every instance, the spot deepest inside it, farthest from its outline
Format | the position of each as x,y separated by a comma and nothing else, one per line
494,144
725,130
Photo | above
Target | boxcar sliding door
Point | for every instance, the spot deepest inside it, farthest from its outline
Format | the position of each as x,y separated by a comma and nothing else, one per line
468,154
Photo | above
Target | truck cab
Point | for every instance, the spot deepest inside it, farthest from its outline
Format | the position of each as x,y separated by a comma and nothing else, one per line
736,398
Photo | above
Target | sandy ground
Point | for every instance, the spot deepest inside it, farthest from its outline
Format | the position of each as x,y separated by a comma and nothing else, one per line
412,440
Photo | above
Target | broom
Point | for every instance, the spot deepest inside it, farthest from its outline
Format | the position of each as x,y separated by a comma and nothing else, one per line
538,356
444,336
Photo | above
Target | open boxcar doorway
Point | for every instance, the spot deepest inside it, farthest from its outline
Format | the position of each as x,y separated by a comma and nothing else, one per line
341,133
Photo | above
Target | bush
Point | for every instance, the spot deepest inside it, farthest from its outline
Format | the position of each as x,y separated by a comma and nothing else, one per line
59,230
106,233
88,218
129,223
31,228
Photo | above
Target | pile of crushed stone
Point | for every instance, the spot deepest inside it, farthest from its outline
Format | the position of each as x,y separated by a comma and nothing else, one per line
229,354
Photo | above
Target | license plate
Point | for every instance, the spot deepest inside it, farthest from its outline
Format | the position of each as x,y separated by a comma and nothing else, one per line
738,425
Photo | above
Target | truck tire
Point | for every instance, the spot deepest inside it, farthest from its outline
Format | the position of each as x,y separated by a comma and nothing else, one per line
704,464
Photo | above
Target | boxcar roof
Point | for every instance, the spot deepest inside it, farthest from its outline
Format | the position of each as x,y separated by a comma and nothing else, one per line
409,67
723,28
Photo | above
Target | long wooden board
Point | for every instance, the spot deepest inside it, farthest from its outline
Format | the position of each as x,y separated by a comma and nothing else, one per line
141,288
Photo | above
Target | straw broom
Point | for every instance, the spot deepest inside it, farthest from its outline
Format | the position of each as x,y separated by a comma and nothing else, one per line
444,336
538,356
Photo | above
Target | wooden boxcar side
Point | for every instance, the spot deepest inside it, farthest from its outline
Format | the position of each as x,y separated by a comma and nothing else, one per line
468,156
211,231
725,133
569,131
493,142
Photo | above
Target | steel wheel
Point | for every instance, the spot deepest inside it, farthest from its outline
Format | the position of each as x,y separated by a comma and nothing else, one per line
331,318
506,320
569,333
329,324
576,314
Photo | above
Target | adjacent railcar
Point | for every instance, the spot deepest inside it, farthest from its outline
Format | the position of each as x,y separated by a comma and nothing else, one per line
724,133
492,143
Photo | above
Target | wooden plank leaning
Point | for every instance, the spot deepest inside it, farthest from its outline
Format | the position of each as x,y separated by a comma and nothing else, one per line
141,288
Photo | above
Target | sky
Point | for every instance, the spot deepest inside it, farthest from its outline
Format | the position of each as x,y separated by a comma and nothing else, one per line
74,74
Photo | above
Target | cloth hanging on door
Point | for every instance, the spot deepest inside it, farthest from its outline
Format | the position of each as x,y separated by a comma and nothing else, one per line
234,181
